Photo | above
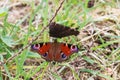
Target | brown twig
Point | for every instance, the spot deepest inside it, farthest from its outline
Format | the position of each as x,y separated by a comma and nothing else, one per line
1,63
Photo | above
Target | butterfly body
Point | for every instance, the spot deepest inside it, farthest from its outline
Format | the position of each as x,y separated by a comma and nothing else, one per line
54,51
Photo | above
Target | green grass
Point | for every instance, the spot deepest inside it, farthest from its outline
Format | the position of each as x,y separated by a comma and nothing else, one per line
74,13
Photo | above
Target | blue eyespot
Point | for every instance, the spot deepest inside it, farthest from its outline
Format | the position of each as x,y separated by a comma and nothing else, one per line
63,55
45,54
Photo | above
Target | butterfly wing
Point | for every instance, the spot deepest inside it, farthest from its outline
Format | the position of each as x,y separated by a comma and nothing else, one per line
58,31
43,49
64,52
54,51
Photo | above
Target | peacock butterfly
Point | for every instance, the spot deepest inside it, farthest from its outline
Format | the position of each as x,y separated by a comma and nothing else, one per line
59,31
54,51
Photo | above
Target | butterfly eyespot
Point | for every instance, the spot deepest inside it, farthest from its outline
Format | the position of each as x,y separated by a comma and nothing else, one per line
63,55
36,46
74,48
45,54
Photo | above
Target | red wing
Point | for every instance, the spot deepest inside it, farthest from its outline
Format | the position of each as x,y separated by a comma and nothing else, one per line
66,50
41,48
